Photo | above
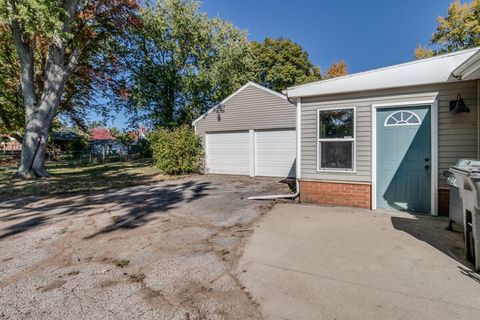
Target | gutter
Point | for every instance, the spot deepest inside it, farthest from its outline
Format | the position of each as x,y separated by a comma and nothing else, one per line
297,162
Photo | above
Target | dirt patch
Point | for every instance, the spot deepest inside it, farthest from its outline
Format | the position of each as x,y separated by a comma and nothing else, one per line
164,251
108,283
52,286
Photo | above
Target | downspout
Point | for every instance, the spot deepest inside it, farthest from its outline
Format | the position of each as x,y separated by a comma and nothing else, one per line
297,162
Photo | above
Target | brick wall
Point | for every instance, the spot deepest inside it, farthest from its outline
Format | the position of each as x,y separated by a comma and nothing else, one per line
352,195
443,200
336,194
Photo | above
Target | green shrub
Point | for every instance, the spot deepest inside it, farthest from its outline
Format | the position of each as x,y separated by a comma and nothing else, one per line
177,151
144,148
78,146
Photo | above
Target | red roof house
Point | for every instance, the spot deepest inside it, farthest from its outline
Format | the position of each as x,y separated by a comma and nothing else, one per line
101,134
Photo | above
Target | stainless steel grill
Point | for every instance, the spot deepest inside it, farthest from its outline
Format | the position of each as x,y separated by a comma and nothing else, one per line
465,177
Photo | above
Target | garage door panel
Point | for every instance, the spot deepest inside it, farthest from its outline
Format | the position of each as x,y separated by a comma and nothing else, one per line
228,153
275,153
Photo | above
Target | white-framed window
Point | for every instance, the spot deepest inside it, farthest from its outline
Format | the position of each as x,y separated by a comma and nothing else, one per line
402,118
336,139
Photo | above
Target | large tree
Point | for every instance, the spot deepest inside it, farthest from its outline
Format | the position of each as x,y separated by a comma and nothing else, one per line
281,63
180,62
458,30
11,104
51,38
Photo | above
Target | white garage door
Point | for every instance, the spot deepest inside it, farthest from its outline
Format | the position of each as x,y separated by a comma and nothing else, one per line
275,153
228,153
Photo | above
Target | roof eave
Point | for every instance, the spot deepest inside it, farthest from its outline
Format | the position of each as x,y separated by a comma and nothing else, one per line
431,71
311,95
469,70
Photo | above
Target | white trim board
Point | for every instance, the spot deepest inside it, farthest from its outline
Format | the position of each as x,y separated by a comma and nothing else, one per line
433,103
251,138
245,86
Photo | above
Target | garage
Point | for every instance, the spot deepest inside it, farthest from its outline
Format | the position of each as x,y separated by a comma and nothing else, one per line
271,153
252,132
228,153
275,152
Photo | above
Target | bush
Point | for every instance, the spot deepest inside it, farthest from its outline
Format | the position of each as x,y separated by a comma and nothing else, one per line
144,148
177,151
78,144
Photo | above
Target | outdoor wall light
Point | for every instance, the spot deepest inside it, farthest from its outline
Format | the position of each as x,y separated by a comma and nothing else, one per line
458,106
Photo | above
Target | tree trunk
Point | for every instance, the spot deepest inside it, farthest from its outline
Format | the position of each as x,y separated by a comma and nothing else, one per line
26,56
38,124
33,149
39,114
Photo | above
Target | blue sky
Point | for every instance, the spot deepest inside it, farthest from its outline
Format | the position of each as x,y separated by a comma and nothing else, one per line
366,34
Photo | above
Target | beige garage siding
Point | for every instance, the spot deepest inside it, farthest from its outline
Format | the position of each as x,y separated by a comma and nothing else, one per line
457,136
252,108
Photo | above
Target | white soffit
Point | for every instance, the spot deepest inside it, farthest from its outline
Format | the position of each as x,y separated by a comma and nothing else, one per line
426,71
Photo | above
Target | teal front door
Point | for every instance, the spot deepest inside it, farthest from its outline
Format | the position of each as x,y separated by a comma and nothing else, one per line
404,159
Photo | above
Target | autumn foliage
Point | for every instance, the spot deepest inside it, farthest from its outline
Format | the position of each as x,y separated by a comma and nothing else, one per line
458,30
337,69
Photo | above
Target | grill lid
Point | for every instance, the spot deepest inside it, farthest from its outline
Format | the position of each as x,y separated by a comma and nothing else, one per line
468,165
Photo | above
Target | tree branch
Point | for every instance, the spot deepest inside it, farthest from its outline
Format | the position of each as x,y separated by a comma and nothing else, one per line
26,56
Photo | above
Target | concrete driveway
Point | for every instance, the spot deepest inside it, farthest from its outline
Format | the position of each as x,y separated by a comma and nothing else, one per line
309,262
160,251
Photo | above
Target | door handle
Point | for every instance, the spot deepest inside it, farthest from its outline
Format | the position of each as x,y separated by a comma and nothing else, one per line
427,159
427,167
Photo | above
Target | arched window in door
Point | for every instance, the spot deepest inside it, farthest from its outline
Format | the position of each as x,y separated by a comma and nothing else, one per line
402,118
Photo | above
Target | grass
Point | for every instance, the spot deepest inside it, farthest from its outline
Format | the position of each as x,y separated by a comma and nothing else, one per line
121,263
137,277
75,178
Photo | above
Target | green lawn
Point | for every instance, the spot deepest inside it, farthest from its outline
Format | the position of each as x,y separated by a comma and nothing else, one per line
74,178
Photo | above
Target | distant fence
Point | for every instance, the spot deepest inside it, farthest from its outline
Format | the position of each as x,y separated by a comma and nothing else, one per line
70,158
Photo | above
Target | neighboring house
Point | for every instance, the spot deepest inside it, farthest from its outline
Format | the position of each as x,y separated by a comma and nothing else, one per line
63,139
10,144
139,135
382,138
103,142
101,134
252,132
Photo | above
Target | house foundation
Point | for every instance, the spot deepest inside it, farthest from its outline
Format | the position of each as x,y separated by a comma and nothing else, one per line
345,194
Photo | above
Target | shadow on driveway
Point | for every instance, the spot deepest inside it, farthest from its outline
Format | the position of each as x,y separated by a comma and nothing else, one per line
432,231
137,206
23,226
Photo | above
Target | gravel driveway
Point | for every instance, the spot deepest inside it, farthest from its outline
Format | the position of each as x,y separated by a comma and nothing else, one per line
162,251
